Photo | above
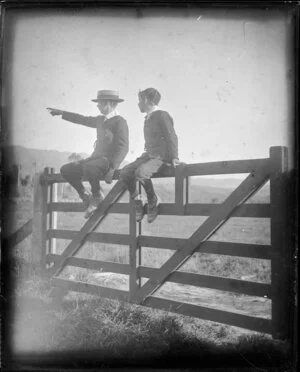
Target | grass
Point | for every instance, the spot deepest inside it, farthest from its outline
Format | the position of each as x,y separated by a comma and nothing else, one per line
106,332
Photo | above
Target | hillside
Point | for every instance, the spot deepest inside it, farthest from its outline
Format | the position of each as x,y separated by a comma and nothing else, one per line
38,159
31,159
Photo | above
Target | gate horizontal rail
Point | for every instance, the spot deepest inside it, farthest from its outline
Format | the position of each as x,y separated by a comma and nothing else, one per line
86,263
210,246
213,282
91,237
196,169
251,210
273,168
234,319
260,251
181,277
113,293
211,314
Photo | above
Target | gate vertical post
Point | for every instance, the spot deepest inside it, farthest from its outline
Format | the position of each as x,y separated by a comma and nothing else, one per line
180,190
53,215
281,250
39,221
133,252
139,248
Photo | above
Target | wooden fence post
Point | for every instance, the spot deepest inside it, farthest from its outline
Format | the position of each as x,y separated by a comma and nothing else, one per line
139,248
39,221
53,215
180,190
133,253
281,260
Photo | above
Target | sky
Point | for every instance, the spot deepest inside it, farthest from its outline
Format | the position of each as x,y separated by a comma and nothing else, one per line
224,78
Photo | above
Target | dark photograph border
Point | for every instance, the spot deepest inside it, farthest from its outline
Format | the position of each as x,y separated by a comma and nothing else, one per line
179,355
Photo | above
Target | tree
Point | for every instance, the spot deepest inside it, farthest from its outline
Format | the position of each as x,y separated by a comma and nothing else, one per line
75,157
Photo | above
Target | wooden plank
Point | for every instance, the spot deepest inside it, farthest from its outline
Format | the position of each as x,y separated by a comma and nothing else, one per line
133,259
187,189
219,167
193,209
244,191
79,207
213,282
196,209
225,167
180,191
281,263
66,207
52,215
45,215
262,252
93,289
165,172
19,235
234,319
211,247
39,221
255,210
92,264
97,237
139,248
161,242
115,193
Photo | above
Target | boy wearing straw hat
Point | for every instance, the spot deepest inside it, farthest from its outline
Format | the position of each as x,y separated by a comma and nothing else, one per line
161,148
110,148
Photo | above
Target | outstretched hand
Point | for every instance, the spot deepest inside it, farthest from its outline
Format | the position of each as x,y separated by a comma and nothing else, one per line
54,111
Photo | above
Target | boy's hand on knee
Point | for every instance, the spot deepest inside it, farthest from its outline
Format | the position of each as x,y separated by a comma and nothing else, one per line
109,176
176,162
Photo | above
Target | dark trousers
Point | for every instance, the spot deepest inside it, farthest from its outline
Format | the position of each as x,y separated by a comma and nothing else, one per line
141,170
90,169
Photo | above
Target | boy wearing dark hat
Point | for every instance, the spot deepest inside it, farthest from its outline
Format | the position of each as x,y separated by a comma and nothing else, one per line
110,148
161,147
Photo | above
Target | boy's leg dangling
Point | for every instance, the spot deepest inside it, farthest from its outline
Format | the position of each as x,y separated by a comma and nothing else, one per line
153,200
138,202
95,201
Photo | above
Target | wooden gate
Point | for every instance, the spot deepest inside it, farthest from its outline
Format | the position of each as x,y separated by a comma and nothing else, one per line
279,252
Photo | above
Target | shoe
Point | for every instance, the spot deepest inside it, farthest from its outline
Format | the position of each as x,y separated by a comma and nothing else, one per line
86,198
153,209
93,205
139,210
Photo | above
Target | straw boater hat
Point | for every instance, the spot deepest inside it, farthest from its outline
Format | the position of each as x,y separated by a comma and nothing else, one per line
108,94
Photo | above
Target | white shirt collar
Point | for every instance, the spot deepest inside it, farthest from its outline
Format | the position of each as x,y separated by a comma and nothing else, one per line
154,108
111,115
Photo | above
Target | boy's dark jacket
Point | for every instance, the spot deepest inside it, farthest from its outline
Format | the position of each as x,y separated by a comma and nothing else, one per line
112,136
160,137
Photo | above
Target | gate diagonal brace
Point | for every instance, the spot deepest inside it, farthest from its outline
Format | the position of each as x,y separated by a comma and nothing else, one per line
113,196
244,191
